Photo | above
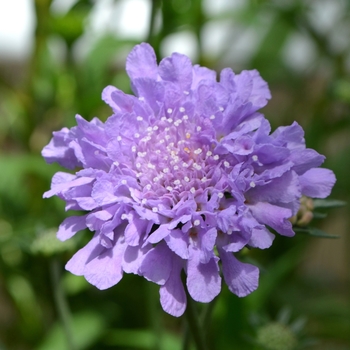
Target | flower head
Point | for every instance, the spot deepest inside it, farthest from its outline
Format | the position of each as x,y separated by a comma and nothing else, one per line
182,176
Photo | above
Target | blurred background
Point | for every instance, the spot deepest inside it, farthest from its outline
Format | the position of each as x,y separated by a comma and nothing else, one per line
56,56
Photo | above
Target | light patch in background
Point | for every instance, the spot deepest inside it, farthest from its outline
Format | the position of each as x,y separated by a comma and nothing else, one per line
324,14
215,35
183,42
17,21
62,6
299,52
125,18
217,7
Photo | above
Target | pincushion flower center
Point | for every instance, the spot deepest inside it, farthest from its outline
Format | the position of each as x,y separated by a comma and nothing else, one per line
170,157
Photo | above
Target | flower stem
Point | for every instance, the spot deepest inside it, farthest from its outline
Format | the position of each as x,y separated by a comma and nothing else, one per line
194,324
151,36
61,303
152,302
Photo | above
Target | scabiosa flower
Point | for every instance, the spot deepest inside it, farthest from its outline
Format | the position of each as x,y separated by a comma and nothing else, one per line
181,177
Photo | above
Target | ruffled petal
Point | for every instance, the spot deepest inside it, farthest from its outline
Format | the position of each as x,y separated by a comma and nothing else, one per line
106,269
273,216
142,62
172,293
157,264
203,280
76,264
317,183
177,69
70,226
241,278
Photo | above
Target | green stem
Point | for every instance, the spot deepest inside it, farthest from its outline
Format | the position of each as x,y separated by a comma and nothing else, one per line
61,303
194,324
151,37
152,302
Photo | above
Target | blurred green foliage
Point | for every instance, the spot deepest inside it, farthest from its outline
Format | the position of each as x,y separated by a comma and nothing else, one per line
43,307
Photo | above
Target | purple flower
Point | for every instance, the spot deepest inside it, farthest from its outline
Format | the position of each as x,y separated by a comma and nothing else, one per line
181,177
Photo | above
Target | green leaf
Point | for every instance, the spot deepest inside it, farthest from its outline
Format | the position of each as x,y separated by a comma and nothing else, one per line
328,203
315,232
86,327
142,339
318,215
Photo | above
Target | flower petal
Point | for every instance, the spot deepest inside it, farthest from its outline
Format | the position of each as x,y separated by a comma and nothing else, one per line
70,226
241,278
273,216
106,269
142,62
203,280
157,264
317,183
172,293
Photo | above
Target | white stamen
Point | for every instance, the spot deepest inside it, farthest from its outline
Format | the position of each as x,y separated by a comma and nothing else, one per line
176,167
133,148
204,179
197,166
220,195
182,109
155,209
116,163
144,201
216,157
148,187
124,217
209,153
255,158
227,164
199,128
186,92
212,117
198,151
139,118
185,117
186,179
252,184
141,98
119,138
163,119
151,166
177,182
124,182
156,179
96,153
165,170
169,110
170,120
137,135
149,129
169,188
221,109
192,190
155,128
185,165
196,222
